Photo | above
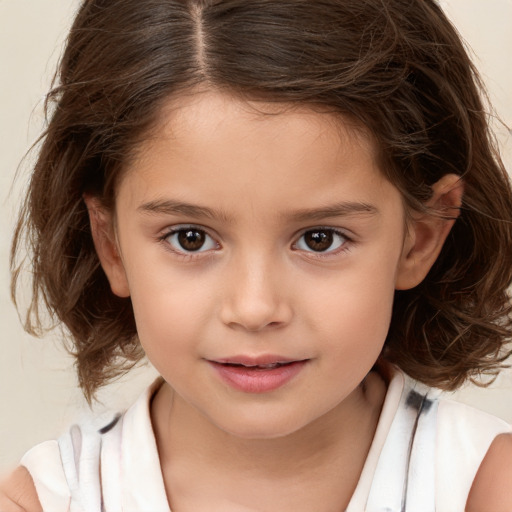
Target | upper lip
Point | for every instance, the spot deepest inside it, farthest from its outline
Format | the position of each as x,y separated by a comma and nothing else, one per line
256,360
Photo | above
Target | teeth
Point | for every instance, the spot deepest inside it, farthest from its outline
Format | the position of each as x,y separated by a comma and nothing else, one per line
269,366
264,366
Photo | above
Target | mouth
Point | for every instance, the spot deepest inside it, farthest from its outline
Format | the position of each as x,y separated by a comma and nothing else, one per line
258,375
264,361
269,366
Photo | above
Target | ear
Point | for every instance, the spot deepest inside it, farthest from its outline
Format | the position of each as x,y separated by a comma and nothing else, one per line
427,231
105,243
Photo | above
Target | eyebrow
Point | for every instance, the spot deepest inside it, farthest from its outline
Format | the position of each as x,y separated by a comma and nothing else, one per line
343,209
172,207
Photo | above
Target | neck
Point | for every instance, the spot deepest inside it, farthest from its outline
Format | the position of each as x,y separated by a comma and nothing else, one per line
318,464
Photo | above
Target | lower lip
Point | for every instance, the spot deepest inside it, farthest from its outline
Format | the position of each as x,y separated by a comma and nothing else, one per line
257,380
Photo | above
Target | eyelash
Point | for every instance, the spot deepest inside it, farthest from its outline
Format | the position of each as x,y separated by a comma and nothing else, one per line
343,246
176,230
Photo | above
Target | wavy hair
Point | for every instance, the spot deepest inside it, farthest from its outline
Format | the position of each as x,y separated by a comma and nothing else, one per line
396,66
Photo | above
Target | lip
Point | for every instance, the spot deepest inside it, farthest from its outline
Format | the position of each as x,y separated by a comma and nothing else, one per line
263,359
248,374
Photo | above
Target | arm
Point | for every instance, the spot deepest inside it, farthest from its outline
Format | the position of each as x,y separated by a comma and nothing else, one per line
18,494
492,487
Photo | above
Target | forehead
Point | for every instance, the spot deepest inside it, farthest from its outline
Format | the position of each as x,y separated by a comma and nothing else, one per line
220,148
198,114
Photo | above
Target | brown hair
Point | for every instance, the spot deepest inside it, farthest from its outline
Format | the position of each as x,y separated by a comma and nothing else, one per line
397,66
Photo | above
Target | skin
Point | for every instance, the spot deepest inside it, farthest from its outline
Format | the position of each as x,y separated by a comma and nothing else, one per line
254,290
254,184
18,494
490,491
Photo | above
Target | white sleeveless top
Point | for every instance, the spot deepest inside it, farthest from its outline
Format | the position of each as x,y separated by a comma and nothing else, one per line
423,458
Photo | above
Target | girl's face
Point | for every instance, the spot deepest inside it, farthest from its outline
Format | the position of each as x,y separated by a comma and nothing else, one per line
261,253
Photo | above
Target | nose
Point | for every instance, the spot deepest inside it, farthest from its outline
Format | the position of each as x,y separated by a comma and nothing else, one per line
255,296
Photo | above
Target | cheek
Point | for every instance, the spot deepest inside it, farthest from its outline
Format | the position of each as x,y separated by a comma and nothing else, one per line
356,338
169,310
359,328
362,300
353,312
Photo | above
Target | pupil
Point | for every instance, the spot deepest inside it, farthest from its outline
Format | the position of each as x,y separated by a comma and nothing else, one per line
318,240
191,239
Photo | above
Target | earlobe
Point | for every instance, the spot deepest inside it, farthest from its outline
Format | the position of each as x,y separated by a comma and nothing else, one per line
428,231
103,234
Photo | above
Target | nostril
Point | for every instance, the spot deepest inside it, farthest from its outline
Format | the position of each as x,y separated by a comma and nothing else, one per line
253,313
255,327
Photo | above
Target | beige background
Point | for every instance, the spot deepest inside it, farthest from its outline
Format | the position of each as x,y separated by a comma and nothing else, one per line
38,394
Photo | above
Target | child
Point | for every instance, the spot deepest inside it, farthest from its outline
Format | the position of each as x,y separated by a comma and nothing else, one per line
294,209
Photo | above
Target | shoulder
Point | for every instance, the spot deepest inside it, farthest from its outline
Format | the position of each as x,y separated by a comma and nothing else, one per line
461,426
44,465
18,493
464,436
492,487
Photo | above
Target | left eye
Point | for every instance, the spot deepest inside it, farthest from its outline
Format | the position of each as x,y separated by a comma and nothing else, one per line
190,239
321,240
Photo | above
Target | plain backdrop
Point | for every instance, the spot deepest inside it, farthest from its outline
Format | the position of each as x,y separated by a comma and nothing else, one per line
38,392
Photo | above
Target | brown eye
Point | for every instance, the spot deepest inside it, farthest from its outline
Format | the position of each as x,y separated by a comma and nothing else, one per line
190,239
321,240
318,240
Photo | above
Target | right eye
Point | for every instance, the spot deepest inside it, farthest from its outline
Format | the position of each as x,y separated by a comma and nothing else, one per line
189,239
322,240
